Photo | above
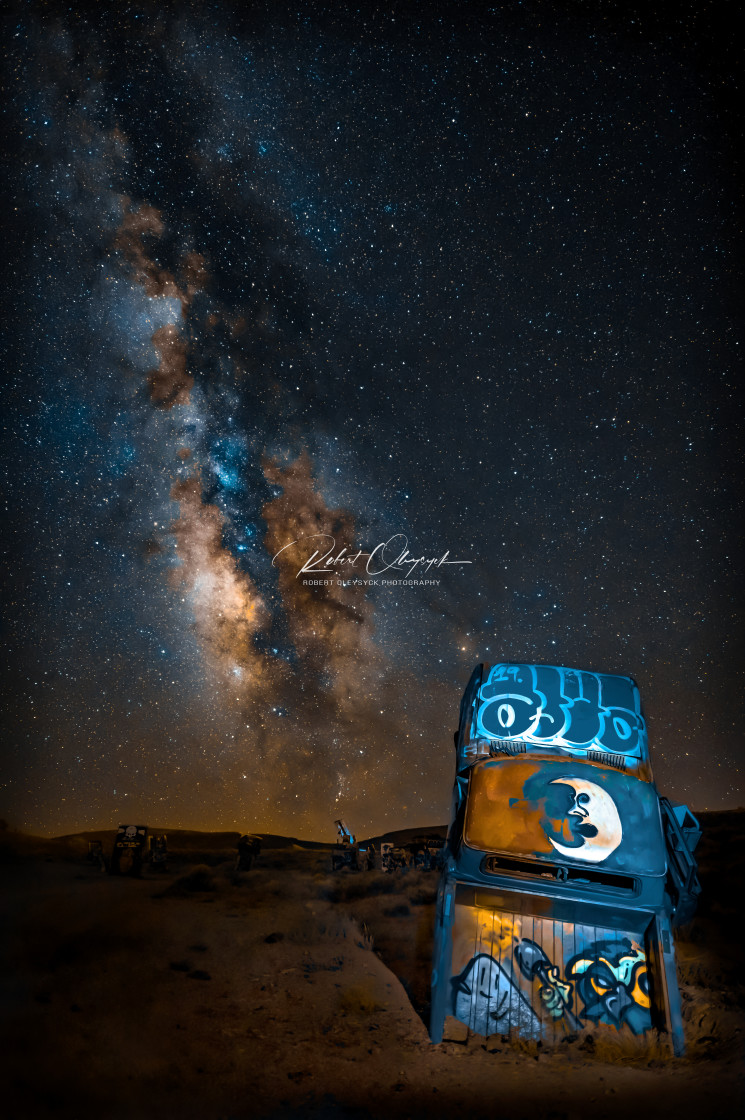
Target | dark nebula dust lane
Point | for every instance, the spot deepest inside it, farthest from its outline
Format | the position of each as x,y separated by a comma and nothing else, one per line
460,279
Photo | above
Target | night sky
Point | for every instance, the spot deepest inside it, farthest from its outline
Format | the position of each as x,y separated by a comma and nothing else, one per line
462,273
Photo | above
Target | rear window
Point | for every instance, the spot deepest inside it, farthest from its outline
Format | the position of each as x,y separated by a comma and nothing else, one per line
566,811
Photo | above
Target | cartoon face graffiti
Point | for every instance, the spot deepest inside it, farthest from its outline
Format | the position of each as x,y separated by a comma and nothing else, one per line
579,817
611,978
593,822
487,1000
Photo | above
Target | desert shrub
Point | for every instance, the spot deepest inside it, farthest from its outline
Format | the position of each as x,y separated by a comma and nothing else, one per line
622,1047
263,886
350,887
330,927
260,888
199,878
345,927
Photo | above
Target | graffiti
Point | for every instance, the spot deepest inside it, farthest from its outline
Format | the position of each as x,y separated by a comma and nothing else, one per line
566,871
498,931
579,817
566,708
565,810
487,1000
540,978
613,982
555,993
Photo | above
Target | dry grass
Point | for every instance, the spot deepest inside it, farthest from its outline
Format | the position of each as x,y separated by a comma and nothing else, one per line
348,886
193,881
329,927
623,1047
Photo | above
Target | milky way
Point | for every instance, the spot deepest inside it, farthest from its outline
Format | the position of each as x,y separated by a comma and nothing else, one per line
463,276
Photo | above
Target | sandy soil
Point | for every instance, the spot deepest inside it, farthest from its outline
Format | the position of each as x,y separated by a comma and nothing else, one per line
289,992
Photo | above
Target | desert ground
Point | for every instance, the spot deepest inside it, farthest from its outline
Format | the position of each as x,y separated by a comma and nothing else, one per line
202,993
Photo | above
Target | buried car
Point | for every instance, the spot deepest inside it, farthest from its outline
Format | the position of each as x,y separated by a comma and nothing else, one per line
565,871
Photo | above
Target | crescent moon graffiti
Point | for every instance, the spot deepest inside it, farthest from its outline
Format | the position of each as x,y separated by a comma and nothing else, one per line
593,806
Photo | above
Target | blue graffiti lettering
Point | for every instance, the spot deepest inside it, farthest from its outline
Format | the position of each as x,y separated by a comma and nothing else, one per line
556,707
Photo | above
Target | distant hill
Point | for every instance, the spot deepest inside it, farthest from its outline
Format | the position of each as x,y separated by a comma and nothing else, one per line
401,836
186,840
717,825
184,843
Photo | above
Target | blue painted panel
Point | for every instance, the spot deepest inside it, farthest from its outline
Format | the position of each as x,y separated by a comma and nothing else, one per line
552,707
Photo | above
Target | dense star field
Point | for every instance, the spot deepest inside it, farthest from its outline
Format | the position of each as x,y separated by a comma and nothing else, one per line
460,273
